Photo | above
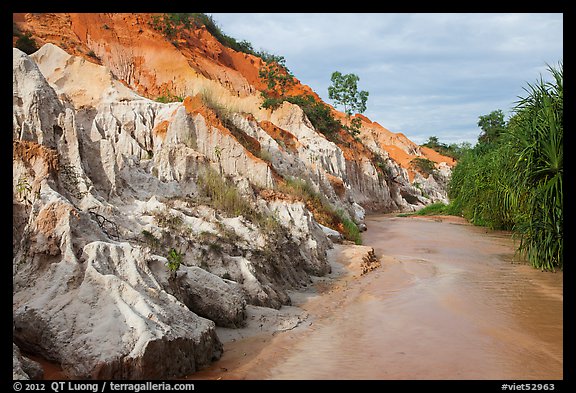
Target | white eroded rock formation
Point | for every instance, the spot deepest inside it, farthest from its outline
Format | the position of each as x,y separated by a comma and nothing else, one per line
139,226
105,187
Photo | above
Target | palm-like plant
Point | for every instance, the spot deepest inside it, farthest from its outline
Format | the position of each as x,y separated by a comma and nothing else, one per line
515,181
538,132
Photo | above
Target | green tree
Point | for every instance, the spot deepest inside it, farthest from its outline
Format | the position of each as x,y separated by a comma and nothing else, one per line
344,91
432,142
492,125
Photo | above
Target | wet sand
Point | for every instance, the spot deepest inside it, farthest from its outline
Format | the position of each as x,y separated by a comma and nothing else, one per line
448,302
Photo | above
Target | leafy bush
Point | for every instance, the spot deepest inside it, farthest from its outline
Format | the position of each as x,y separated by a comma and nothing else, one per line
423,165
168,220
538,135
277,76
174,260
318,113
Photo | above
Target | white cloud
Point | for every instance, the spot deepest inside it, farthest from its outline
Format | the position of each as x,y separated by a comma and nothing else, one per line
427,74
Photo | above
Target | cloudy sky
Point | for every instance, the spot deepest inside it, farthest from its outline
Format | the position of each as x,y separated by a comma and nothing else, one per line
427,74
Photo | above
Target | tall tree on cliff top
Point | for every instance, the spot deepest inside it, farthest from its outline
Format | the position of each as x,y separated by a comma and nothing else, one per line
344,91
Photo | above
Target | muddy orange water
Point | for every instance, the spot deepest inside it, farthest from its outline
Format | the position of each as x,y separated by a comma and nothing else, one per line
447,303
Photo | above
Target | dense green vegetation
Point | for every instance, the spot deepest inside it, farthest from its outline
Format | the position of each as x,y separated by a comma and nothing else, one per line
512,178
453,150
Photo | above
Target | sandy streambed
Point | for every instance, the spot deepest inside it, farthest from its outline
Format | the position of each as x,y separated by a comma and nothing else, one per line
448,302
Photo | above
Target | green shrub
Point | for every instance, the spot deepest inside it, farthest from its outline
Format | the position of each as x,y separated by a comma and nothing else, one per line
423,165
277,77
537,131
172,24
169,97
271,102
351,231
318,113
174,260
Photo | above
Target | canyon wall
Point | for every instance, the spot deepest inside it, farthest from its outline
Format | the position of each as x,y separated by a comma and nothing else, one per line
139,226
